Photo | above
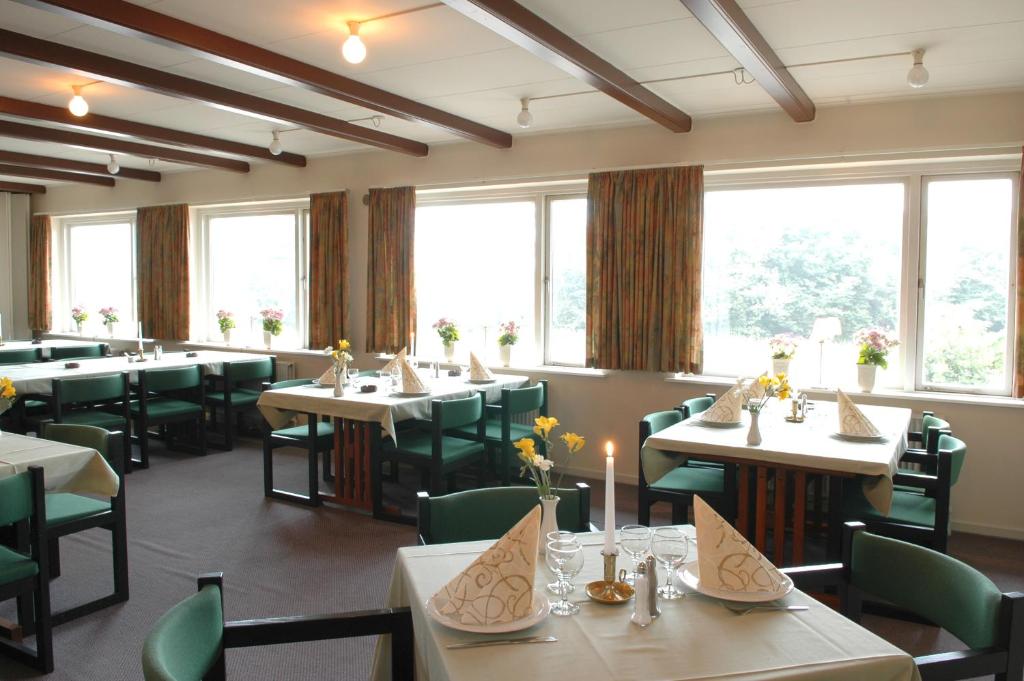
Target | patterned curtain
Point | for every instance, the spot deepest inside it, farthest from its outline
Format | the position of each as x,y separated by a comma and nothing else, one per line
328,267
40,314
162,237
644,233
1018,373
390,295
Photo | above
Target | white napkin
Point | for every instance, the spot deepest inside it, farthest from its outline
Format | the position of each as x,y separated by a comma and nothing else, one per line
852,420
754,389
727,561
327,377
727,408
477,370
411,382
400,357
498,586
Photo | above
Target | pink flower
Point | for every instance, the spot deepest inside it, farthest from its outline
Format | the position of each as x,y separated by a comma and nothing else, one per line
272,313
224,314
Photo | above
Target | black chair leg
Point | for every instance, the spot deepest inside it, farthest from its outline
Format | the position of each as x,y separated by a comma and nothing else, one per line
229,428
680,513
314,479
54,551
268,467
119,539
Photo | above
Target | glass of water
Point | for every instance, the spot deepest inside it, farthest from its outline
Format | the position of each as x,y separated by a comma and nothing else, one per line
635,540
670,547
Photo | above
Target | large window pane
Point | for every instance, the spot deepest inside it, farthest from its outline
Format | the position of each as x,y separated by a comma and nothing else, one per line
967,270
777,258
252,266
475,264
567,315
100,274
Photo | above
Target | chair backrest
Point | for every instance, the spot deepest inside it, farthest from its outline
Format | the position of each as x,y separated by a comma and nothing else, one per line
78,351
250,370
186,642
290,383
958,454
660,420
81,435
176,378
15,498
90,388
522,400
23,356
455,413
696,405
930,427
491,512
930,584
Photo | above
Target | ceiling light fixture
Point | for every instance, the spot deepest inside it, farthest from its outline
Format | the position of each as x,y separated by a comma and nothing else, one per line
918,75
275,147
353,49
77,104
525,118
113,167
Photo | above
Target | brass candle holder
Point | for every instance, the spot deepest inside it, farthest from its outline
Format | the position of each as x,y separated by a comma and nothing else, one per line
609,590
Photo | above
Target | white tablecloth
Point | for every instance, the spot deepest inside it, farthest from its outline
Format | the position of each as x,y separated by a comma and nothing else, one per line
47,343
812,444
35,378
280,406
66,468
695,638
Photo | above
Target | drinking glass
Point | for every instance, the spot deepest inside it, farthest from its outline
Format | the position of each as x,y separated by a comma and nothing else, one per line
669,547
635,540
565,558
560,535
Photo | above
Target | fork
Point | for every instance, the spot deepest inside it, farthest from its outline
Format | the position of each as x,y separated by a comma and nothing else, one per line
745,609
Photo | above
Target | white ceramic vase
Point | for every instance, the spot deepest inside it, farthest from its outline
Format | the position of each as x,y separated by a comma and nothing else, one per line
754,434
449,352
268,339
227,337
548,520
339,380
78,328
506,355
110,328
780,366
866,377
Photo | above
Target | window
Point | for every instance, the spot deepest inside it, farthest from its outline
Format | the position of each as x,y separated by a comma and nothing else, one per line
253,258
567,281
99,262
966,342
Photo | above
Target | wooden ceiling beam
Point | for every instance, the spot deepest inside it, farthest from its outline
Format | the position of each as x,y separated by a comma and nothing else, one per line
731,26
514,22
21,188
37,51
46,174
76,166
143,131
140,22
110,145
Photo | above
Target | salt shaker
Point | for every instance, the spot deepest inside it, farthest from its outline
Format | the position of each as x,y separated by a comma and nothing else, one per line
641,604
652,588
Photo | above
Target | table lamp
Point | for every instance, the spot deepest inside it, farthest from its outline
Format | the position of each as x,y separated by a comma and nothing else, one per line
824,329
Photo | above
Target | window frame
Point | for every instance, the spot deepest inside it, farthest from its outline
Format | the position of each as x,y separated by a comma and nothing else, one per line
548,292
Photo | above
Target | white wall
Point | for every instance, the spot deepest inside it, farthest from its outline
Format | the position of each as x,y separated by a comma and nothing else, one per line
609,407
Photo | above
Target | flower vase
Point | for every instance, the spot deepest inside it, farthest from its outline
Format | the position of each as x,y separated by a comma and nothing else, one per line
449,352
339,380
78,328
268,339
110,328
780,366
506,355
866,377
754,434
548,520
227,337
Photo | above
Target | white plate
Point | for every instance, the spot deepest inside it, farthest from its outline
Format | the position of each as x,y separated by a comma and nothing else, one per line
720,424
689,576
318,384
481,381
402,394
540,609
860,438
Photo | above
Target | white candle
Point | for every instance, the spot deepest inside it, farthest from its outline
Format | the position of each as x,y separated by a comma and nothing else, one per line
609,499
140,330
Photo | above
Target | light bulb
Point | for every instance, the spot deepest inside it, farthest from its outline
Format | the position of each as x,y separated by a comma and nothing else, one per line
525,118
78,106
918,74
353,49
113,167
275,147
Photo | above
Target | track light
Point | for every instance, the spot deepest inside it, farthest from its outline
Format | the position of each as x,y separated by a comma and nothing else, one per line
275,147
918,74
113,167
525,118
353,49
77,105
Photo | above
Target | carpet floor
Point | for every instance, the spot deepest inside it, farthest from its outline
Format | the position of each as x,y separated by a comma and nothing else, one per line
188,515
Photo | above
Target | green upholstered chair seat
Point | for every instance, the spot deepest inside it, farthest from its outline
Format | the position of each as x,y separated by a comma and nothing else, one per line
94,417
686,479
302,432
35,404
62,507
420,444
239,398
492,430
186,641
166,407
15,566
907,507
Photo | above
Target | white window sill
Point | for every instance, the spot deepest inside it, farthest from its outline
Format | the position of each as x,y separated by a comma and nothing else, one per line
530,369
98,339
257,349
881,394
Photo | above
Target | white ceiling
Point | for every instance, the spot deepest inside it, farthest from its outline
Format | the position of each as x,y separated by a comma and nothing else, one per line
443,59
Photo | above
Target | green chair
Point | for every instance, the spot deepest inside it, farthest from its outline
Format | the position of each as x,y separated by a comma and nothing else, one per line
697,405
237,391
489,513
23,572
79,352
168,396
500,429
100,401
928,439
189,641
68,513
316,436
437,453
24,356
918,583
716,485
920,503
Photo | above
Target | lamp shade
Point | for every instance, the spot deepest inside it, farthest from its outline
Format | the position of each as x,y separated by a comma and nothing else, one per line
826,329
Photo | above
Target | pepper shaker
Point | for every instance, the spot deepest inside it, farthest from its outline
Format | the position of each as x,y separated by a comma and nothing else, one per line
641,604
652,587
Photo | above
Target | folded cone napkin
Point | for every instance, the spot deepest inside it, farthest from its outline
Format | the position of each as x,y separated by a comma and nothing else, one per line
477,370
327,377
400,357
727,561
852,420
727,408
498,586
411,382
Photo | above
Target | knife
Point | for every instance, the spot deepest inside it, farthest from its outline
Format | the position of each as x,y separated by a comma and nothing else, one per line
502,642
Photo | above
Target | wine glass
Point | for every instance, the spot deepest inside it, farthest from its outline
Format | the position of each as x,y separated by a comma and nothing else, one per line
635,540
565,558
560,535
670,546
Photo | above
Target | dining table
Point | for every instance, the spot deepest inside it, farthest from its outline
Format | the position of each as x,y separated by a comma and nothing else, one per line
789,453
66,467
45,344
695,638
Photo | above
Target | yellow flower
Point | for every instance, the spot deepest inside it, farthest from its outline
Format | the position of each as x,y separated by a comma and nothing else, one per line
7,390
574,442
344,344
781,376
763,380
527,449
544,425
